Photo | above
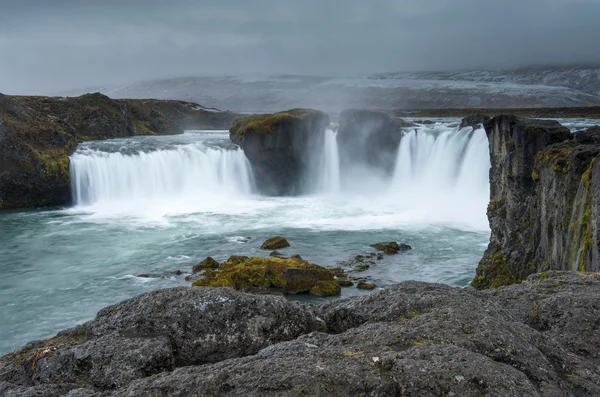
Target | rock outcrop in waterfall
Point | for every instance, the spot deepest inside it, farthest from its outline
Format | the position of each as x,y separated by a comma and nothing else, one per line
279,146
37,135
543,212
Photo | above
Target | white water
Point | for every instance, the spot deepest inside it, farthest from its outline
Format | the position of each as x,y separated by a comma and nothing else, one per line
186,174
444,171
329,176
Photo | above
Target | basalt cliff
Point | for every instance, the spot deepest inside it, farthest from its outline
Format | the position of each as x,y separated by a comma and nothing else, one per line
543,210
37,135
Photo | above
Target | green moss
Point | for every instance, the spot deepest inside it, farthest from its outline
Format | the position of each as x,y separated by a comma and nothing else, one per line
535,175
497,207
326,288
275,243
257,273
262,124
493,272
208,263
555,156
365,285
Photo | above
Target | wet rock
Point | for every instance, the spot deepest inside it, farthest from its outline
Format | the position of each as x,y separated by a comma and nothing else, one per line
370,137
303,279
177,272
258,274
275,243
344,282
365,285
545,194
474,121
275,253
296,256
326,288
208,263
150,275
391,247
278,147
152,333
379,256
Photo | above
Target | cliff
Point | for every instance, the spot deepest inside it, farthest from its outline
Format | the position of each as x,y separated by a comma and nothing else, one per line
370,138
37,135
412,339
279,147
543,212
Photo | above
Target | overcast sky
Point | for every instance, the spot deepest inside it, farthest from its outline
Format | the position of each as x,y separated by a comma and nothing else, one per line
53,45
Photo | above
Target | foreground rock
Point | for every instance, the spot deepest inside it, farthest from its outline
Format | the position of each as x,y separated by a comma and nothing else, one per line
368,137
289,275
280,147
543,212
538,338
37,135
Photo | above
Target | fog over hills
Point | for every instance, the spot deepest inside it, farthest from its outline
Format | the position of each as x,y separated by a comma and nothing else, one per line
531,87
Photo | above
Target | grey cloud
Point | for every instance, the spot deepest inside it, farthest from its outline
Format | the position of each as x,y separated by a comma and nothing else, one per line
48,46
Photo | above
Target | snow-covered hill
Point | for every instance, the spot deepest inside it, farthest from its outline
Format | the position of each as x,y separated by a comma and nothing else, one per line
534,87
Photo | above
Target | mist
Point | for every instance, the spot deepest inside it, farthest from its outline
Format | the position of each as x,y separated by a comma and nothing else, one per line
52,46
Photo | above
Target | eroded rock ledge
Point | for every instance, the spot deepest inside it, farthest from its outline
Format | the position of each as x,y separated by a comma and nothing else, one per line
536,338
37,135
543,212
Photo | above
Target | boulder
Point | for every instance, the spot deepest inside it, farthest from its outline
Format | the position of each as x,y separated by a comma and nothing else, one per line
280,147
157,332
291,275
391,247
326,288
208,263
275,243
474,121
300,279
412,339
365,285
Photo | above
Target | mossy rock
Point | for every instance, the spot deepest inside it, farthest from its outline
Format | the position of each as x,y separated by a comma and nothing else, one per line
326,288
275,243
260,274
344,282
365,285
208,263
262,124
391,247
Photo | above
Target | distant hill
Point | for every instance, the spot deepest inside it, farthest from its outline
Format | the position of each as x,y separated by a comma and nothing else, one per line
532,87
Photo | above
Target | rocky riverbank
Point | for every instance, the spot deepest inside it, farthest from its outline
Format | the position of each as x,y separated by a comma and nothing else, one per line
537,338
37,135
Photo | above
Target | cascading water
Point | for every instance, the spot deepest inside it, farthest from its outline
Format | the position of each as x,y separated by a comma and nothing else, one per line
329,176
444,170
192,172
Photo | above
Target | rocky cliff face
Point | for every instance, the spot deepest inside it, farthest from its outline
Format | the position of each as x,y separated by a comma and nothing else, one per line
544,188
37,135
280,147
369,138
412,339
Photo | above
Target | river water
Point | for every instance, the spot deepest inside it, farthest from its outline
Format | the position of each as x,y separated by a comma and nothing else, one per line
157,204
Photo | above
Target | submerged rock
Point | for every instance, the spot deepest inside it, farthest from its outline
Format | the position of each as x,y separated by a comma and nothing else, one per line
412,339
391,247
365,285
208,263
275,243
275,253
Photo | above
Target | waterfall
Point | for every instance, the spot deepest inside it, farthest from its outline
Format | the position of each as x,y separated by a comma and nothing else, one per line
192,171
445,171
329,176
